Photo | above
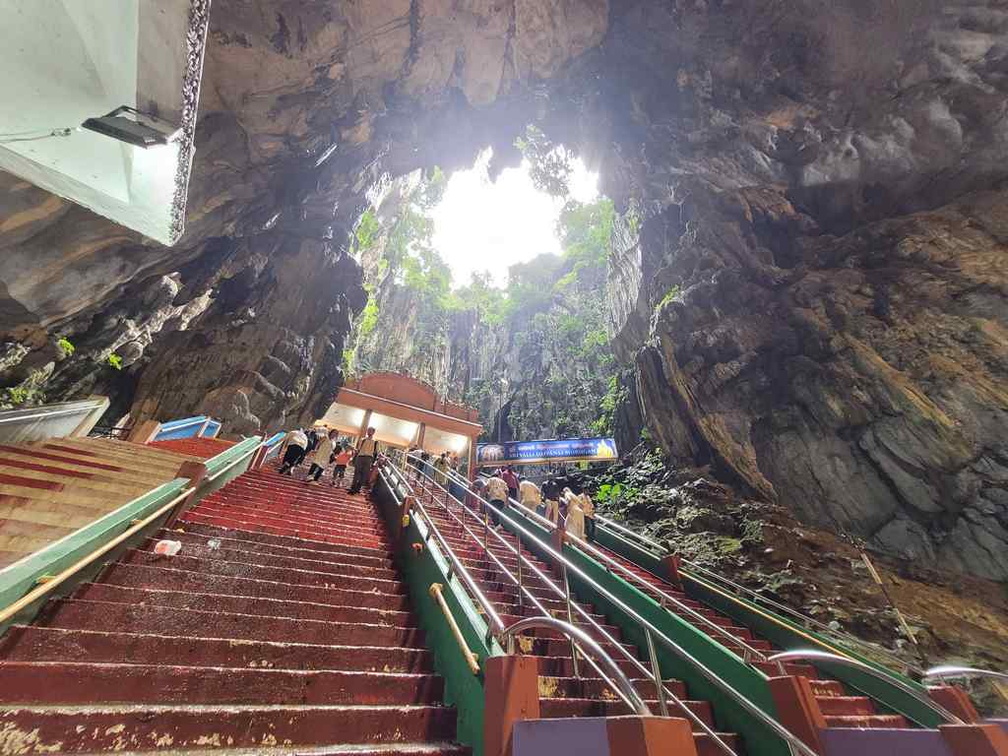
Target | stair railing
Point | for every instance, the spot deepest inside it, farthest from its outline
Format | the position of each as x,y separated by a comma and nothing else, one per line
952,672
657,550
650,631
167,510
812,655
630,694
749,653
615,679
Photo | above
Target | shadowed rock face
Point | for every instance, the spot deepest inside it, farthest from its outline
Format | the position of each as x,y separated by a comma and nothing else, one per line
814,304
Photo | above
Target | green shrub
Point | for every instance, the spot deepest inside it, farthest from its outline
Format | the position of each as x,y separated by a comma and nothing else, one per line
115,361
66,346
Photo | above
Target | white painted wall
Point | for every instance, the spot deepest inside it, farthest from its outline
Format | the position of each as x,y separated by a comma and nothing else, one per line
63,61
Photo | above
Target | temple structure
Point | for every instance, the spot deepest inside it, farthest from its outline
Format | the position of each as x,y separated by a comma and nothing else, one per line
405,412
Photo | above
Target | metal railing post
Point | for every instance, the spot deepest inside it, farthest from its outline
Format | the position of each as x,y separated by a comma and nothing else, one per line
570,620
521,586
656,672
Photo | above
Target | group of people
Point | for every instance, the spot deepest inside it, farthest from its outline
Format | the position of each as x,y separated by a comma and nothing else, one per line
322,447
568,504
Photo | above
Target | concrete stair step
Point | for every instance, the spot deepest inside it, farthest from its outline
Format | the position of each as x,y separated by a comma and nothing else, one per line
823,688
244,605
203,517
251,570
82,729
161,620
309,516
846,706
167,578
241,544
200,550
62,682
268,539
594,687
35,643
883,721
610,707
288,519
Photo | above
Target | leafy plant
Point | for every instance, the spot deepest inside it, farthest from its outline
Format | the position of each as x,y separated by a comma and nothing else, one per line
369,317
367,230
549,164
115,361
670,296
66,346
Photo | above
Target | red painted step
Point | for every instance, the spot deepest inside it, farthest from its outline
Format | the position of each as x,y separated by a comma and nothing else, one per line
58,644
165,578
282,622
80,682
83,729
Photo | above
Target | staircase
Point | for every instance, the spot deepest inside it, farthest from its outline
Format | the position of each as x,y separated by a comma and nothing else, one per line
281,624
48,490
201,448
561,693
839,709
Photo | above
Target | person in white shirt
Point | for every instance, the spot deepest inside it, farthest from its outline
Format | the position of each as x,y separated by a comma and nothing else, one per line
320,455
529,496
497,495
367,451
574,522
295,444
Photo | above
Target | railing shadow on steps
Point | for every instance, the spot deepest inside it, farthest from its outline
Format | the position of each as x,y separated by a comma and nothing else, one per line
750,719
58,568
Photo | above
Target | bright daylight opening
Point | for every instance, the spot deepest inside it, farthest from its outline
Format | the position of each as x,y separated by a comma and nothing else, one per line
483,225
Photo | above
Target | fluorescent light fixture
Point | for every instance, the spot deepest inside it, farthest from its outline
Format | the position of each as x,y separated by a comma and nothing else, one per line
133,127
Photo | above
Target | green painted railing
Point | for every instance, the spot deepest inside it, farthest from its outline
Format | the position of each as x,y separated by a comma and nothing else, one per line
421,567
18,580
784,633
746,681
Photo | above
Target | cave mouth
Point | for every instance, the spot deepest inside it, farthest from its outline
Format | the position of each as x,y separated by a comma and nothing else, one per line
485,224
507,207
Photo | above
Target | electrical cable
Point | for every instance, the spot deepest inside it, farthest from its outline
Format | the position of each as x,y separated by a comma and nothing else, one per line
22,136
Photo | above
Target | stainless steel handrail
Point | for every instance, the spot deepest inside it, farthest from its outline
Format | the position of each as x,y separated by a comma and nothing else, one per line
459,568
664,694
812,655
658,551
622,681
494,622
795,743
749,652
952,672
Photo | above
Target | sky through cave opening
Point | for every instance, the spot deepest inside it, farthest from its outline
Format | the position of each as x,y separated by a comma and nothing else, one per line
483,224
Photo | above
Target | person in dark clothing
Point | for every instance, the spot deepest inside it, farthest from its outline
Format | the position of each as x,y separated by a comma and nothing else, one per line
367,451
295,448
551,497
512,481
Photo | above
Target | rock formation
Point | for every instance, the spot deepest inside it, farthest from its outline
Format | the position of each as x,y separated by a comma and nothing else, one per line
808,281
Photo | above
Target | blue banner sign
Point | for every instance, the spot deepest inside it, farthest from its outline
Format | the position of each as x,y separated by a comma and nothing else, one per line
558,450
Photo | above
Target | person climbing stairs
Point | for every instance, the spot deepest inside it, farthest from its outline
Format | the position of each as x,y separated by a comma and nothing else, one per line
564,691
281,623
